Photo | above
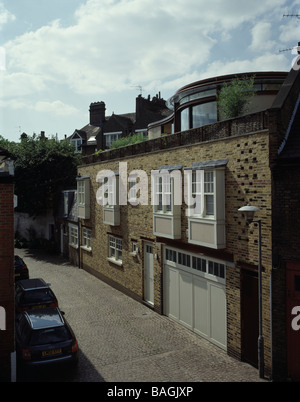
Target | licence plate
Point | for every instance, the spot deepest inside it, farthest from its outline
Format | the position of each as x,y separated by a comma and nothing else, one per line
51,352
40,306
17,274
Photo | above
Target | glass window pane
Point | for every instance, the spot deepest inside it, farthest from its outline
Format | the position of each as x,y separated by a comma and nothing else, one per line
203,114
185,119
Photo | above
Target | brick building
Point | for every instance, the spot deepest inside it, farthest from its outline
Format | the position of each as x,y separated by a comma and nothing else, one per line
102,130
200,267
6,265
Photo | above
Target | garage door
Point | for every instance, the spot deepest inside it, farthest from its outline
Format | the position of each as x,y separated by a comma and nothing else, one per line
194,294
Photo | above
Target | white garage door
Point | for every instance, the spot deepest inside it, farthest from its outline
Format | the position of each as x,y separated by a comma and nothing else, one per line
194,294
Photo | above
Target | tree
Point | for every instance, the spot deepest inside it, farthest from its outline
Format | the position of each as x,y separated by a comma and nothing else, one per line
43,168
234,98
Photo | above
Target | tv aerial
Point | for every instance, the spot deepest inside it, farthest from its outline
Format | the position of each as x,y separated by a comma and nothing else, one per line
138,87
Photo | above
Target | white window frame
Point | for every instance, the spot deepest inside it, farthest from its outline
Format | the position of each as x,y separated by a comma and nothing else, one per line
86,239
83,197
167,201
73,235
77,142
81,192
163,192
204,189
206,214
115,249
109,195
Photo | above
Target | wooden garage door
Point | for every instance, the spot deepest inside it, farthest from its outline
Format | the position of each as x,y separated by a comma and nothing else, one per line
194,294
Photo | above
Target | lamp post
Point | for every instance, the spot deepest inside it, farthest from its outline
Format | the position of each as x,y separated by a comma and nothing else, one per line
249,212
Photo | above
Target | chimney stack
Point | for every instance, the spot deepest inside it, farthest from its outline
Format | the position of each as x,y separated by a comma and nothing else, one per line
97,113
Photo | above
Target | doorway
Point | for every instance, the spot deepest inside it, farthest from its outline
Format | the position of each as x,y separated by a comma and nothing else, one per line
249,317
148,274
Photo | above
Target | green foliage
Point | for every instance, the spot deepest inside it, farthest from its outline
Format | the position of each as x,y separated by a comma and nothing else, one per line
234,98
43,168
128,140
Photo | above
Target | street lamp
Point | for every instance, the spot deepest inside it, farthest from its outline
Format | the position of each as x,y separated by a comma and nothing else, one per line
249,212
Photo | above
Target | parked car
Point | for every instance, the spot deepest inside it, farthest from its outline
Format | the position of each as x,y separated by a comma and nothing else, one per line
33,293
21,270
44,338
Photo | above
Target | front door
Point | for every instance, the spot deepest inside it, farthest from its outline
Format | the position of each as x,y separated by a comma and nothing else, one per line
249,316
293,319
148,274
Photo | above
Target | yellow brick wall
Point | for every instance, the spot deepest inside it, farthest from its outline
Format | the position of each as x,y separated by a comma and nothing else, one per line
248,180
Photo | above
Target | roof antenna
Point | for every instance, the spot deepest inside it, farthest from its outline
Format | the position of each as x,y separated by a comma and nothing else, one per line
292,15
138,87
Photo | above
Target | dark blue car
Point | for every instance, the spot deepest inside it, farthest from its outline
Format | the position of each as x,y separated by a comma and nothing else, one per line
21,270
44,337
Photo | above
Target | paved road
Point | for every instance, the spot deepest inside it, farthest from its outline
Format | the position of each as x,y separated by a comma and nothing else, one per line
122,340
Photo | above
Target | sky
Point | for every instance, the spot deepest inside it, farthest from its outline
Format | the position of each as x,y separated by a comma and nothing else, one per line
59,56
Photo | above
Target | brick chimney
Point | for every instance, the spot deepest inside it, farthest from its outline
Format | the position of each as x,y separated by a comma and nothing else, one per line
97,113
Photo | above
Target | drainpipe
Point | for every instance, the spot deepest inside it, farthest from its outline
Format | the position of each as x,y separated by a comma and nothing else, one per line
271,326
79,244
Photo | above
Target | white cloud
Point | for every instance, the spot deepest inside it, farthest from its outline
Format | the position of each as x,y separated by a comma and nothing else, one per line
5,16
113,42
262,37
19,84
57,108
265,62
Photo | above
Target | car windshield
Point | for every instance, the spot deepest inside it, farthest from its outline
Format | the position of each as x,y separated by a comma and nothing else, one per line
38,296
49,335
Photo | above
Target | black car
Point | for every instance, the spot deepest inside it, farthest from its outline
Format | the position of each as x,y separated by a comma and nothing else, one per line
33,293
44,338
21,270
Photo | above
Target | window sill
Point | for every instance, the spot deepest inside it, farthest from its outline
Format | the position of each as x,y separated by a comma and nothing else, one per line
73,246
89,249
204,218
159,213
114,261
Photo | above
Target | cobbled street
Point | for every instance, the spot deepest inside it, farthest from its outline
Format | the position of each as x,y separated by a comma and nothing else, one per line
122,340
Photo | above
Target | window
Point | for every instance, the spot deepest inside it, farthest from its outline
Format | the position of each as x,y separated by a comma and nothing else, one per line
77,142
86,238
108,197
205,198
204,114
167,200
163,194
115,249
206,266
83,197
73,235
214,268
111,137
81,192
171,255
198,115
185,119
202,194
